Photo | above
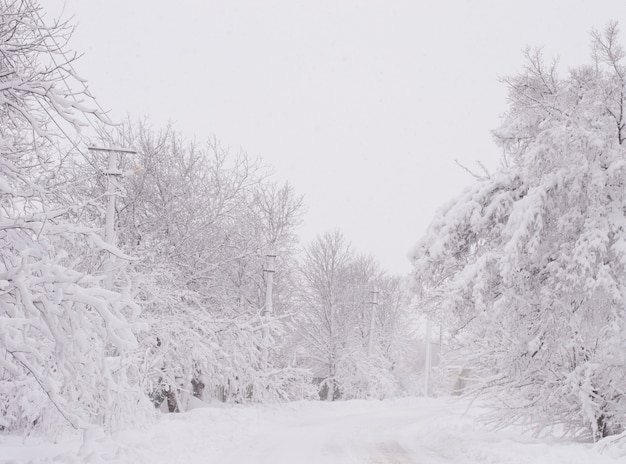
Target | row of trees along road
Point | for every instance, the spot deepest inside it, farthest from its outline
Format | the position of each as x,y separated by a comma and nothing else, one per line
526,270
95,334
66,342
201,222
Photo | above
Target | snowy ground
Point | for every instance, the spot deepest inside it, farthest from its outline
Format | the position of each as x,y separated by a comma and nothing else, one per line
414,430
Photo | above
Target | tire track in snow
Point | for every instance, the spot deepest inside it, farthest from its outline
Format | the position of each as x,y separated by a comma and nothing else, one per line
390,452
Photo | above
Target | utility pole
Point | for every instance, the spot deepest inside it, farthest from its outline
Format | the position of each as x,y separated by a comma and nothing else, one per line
268,309
374,303
111,172
428,360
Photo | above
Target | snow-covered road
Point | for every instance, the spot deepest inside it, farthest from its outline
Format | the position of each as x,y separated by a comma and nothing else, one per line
418,431
405,431
365,433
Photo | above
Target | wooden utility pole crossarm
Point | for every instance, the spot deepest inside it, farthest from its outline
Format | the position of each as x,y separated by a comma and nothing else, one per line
115,149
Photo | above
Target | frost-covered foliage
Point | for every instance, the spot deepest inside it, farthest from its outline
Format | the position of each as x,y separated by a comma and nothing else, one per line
64,339
526,269
351,337
201,222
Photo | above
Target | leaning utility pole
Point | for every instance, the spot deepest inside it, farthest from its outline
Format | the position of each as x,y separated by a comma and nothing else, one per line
268,309
374,303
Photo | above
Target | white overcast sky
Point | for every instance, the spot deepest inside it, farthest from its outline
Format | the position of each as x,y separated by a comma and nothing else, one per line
362,106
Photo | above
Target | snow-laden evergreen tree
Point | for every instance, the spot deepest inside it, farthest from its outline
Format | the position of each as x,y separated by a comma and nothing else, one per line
526,270
64,339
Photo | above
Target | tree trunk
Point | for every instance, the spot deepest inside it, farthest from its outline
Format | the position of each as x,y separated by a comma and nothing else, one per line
172,401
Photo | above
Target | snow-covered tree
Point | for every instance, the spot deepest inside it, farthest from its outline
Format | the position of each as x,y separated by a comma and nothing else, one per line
201,222
64,339
526,269
326,323
348,311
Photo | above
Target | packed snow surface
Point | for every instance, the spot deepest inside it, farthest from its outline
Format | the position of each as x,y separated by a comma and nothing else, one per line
404,431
